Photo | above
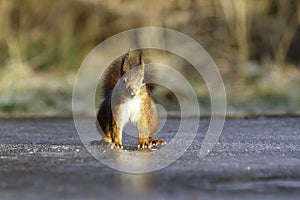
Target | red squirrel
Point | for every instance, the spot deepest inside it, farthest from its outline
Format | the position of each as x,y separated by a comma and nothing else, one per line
128,98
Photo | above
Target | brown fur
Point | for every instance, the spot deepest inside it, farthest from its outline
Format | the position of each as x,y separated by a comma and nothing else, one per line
112,74
127,97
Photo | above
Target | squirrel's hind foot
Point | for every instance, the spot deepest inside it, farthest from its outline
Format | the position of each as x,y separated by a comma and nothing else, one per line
144,144
156,142
116,145
148,144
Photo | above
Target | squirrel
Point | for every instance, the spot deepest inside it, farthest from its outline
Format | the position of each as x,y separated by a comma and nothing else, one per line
128,98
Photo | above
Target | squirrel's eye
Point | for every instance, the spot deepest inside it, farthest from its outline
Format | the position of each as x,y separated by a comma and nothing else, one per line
143,81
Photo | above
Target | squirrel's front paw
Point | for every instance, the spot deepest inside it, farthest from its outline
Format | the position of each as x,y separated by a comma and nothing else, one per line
116,145
144,144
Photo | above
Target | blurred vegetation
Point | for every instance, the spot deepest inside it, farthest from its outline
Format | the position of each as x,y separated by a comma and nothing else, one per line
255,43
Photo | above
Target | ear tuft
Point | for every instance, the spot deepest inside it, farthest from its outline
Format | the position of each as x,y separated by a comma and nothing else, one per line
123,68
141,60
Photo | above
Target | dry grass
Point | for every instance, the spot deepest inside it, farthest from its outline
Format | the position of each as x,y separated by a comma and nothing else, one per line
254,43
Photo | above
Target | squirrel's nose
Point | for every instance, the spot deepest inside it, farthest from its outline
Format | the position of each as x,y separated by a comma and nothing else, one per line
132,91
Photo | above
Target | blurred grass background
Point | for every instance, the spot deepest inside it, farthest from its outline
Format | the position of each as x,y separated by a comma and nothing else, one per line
255,44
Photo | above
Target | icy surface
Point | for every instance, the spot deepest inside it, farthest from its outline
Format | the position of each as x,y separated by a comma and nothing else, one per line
254,159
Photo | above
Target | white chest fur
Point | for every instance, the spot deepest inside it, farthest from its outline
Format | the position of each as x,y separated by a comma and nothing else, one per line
131,110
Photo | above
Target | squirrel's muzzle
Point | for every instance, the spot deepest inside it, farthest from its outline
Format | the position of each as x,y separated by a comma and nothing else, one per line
132,91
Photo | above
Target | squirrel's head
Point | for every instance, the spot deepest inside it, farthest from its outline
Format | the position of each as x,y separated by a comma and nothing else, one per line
132,79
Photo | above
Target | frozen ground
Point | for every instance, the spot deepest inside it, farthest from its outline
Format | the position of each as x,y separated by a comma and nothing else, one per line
255,158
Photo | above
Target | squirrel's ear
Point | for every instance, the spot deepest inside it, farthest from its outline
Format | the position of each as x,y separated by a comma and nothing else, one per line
141,60
123,68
